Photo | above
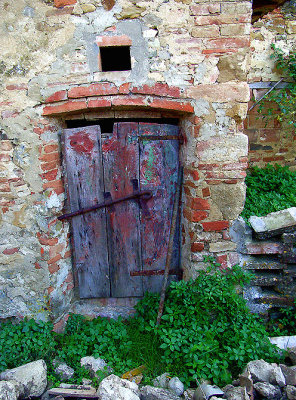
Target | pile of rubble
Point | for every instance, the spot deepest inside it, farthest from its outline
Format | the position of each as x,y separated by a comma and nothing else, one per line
260,380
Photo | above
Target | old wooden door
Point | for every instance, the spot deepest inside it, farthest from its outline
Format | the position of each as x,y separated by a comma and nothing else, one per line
118,249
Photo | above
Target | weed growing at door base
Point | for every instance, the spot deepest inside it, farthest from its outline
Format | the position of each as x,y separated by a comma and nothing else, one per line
206,332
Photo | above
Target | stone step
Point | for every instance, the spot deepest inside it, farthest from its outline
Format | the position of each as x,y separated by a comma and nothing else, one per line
264,248
269,280
275,300
265,265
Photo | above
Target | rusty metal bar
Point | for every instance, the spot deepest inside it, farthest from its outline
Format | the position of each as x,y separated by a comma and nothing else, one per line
155,272
177,201
147,194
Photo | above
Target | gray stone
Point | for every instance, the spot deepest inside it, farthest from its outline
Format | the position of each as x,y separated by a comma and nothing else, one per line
29,12
291,392
235,393
289,374
274,221
9,390
176,386
31,378
284,342
162,380
153,393
94,365
114,387
268,390
64,371
292,355
277,377
260,370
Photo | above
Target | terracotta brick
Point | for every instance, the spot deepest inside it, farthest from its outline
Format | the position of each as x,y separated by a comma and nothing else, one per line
50,175
5,187
65,108
159,89
50,157
98,103
56,249
206,192
54,259
222,260
5,145
50,148
67,254
194,216
63,3
197,246
10,251
172,105
96,89
129,101
215,225
56,186
124,88
5,157
106,41
57,96
37,265
228,43
193,173
46,241
49,166
52,268
205,9
50,289
22,86
199,204
221,19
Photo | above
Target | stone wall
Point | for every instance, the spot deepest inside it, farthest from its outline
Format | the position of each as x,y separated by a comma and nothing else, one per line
189,61
269,142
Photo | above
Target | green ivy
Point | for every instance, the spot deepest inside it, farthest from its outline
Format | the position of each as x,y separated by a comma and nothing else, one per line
269,189
281,103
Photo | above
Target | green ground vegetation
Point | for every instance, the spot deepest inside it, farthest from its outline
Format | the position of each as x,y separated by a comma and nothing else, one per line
269,189
206,332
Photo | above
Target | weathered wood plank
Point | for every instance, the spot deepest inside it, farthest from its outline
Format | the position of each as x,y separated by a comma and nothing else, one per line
159,163
83,160
121,173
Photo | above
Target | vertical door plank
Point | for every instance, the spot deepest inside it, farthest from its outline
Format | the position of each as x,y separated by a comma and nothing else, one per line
121,167
84,175
159,163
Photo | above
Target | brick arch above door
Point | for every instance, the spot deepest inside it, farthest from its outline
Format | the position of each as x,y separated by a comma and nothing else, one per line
108,96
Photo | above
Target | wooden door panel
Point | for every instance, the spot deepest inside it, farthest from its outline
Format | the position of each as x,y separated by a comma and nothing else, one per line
83,163
159,161
121,174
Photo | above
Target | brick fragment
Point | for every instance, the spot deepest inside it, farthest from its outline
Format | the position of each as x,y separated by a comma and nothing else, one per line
45,240
172,105
65,108
57,186
63,3
198,203
49,148
194,216
11,251
215,225
50,175
98,103
159,89
206,192
53,268
197,246
96,89
108,41
57,96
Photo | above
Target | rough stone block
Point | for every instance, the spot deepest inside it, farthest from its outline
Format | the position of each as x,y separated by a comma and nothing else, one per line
272,222
222,93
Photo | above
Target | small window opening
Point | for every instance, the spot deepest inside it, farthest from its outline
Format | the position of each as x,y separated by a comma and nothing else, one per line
115,58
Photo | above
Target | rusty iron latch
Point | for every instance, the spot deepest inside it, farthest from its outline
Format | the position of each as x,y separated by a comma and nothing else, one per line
146,195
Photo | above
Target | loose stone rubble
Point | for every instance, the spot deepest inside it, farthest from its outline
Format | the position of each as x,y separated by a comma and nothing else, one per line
259,380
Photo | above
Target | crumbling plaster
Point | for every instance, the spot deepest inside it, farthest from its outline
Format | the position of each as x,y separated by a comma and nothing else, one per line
200,48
